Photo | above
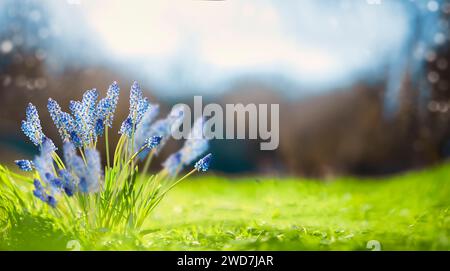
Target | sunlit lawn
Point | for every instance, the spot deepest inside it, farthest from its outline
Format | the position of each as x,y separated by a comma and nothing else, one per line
405,212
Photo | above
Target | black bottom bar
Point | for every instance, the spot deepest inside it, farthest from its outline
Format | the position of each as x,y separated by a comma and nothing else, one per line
217,260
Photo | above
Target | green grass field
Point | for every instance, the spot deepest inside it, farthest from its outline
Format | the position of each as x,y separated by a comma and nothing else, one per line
404,212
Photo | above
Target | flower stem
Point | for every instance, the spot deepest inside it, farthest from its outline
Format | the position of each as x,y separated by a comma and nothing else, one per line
135,154
147,163
107,147
58,160
118,151
82,155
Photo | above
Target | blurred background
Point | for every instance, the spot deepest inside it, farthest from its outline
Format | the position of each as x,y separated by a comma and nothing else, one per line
363,85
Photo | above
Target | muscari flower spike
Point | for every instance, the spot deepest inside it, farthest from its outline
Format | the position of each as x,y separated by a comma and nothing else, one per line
113,98
152,142
31,127
203,164
44,162
55,111
85,115
64,122
138,106
89,106
89,100
106,107
25,165
82,132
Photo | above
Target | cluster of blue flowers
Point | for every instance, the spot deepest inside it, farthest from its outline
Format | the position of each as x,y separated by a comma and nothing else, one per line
81,128
88,119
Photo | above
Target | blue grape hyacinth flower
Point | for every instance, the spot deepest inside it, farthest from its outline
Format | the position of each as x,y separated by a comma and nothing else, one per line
203,164
89,108
89,100
81,121
64,122
152,142
31,127
106,107
112,95
25,165
44,162
138,107
84,113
